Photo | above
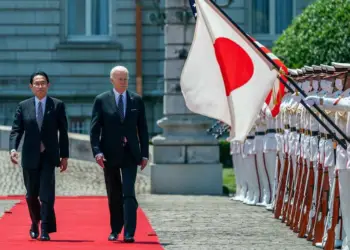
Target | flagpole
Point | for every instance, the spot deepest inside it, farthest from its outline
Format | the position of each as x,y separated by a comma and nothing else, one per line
295,85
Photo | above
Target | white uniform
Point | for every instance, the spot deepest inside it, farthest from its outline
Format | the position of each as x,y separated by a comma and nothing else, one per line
341,118
286,148
270,152
315,142
249,159
305,152
281,121
279,148
343,122
260,126
239,168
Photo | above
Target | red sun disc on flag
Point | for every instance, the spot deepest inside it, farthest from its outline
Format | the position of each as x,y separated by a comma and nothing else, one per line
236,66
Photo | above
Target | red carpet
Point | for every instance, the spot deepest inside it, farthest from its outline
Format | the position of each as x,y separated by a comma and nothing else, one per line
82,223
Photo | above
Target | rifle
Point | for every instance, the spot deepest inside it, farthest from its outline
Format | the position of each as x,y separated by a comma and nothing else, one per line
281,188
290,192
296,194
301,195
307,201
310,234
329,245
323,208
287,189
277,175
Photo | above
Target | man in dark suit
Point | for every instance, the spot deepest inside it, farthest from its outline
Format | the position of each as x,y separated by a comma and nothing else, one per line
119,141
40,118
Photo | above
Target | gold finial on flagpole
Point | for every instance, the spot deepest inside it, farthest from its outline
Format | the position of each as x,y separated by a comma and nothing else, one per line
282,72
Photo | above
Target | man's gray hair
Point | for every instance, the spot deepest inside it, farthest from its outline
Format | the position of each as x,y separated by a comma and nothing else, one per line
119,69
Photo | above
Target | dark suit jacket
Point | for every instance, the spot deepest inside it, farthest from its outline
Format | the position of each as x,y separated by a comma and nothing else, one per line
107,129
55,121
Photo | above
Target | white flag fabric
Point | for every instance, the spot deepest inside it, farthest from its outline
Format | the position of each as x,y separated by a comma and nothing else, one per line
225,77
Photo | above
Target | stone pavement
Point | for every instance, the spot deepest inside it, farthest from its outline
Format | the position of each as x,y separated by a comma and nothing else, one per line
211,222
81,178
6,205
181,222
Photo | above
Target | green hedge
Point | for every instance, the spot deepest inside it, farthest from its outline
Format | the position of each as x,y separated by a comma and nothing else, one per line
225,157
320,35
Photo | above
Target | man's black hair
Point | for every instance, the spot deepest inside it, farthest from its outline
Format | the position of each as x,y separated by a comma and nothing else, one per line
39,73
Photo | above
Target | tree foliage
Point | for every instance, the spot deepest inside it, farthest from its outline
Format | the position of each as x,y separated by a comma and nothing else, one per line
320,35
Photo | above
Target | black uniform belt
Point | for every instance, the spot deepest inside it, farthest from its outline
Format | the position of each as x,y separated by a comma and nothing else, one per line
280,131
328,136
286,127
270,131
251,137
259,133
322,135
293,129
307,132
314,133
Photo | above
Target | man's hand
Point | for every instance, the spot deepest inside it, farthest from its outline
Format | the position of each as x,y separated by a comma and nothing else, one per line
14,157
100,159
143,163
63,164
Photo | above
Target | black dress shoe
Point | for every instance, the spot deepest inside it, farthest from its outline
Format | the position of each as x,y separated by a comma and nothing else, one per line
44,236
34,231
113,237
129,239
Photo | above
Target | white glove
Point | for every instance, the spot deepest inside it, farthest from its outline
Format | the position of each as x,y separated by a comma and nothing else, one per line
297,98
312,100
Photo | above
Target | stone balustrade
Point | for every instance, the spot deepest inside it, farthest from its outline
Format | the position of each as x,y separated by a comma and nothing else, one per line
79,146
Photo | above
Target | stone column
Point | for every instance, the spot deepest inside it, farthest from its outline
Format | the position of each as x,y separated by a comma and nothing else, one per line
185,159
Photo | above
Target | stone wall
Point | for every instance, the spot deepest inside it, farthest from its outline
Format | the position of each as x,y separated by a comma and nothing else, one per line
79,146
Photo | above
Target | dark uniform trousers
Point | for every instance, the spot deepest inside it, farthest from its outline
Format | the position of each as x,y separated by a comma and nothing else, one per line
40,184
120,184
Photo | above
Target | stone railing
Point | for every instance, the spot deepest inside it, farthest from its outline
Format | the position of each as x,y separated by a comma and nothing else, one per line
79,146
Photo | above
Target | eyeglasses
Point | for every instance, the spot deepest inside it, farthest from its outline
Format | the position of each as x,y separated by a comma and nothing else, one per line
41,84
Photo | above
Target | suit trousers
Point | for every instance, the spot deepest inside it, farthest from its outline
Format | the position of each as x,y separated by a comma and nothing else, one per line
120,184
40,184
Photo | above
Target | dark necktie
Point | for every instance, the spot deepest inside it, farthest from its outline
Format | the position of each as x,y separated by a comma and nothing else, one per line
121,107
39,119
40,115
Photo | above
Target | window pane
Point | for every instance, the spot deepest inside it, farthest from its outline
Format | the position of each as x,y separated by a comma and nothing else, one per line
76,17
100,17
260,16
284,15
